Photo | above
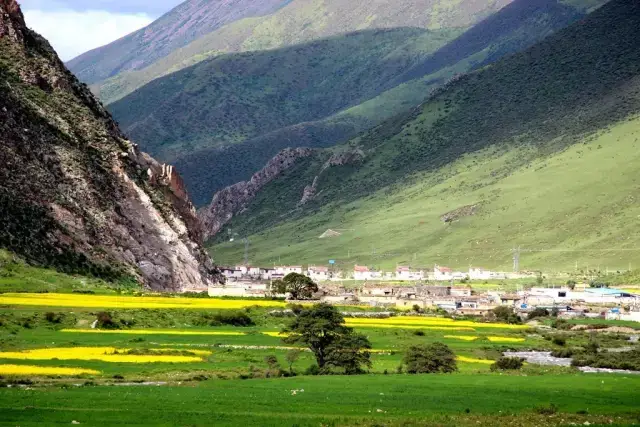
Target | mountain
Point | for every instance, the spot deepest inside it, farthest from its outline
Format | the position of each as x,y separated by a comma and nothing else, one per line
75,194
177,28
303,21
223,118
536,150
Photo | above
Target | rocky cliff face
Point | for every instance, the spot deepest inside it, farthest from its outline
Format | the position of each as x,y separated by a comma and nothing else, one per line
234,199
74,192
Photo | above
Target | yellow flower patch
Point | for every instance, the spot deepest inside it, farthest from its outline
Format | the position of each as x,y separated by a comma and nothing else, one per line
505,339
472,360
151,332
105,354
276,334
115,301
44,370
431,321
429,328
462,337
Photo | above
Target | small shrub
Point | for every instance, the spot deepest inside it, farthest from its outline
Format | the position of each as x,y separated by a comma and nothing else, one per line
312,370
105,321
507,363
563,353
232,318
118,377
583,412
52,317
558,340
561,324
547,410
418,333
538,312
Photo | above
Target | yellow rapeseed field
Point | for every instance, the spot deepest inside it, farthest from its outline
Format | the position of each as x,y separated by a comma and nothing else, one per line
427,328
105,354
44,370
115,301
276,334
505,339
151,332
472,360
431,321
462,337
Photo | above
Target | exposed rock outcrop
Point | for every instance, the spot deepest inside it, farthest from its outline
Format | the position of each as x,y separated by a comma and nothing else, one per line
74,193
461,212
228,202
352,156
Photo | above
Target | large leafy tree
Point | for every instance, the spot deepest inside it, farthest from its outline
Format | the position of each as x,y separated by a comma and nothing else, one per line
429,359
321,328
298,285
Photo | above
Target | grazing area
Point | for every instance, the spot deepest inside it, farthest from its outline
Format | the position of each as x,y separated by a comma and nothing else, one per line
179,359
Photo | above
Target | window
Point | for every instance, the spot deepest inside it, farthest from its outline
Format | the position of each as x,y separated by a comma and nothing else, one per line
562,294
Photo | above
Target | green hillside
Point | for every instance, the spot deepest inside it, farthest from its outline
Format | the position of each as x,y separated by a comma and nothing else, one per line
545,143
221,120
303,21
177,28
232,98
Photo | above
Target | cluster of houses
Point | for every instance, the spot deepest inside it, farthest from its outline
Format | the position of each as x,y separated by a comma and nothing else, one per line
363,273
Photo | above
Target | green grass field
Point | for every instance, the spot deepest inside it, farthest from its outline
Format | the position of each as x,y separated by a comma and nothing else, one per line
231,384
335,401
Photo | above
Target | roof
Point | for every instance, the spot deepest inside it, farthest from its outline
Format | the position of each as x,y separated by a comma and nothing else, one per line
510,297
604,291
403,268
361,269
444,269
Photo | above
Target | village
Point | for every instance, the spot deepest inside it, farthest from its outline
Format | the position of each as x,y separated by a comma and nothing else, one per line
437,288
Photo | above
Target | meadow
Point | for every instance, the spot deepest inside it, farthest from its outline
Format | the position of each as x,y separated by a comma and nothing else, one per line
159,364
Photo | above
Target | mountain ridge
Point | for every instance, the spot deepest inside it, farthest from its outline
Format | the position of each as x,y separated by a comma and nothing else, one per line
177,28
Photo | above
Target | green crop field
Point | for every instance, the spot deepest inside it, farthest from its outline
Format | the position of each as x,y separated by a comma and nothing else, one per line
170,366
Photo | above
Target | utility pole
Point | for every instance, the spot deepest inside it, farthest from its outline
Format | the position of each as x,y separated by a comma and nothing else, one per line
246,250
516,259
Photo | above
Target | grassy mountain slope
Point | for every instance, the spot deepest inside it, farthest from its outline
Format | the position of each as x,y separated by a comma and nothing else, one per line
194,127
177,28
232,98
545,144
302,21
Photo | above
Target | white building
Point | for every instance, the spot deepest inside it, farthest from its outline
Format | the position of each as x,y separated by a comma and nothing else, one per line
239,289
318,273
362,273
550,296
477,273
287,269
460,291
231,273
442,273
406,273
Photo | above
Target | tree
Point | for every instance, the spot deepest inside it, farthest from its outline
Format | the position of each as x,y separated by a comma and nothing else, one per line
506,314
321,328
292,357
298,285
429,359
507,363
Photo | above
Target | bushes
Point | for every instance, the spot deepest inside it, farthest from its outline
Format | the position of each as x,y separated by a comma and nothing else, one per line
105,321
428,359
231,318
559,340
629,360
561,324
538,312
506,314
546,410
507,363
52,317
